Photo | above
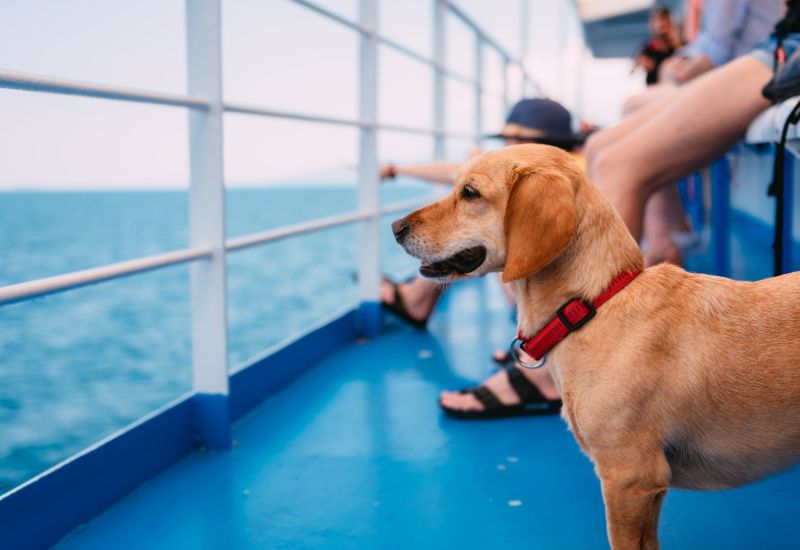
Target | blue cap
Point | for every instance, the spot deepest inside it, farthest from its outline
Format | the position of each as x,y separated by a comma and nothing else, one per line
540,120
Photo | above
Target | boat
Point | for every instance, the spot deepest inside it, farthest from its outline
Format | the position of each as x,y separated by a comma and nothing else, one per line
333,437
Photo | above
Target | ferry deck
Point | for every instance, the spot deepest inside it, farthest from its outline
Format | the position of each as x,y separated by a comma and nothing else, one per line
334,438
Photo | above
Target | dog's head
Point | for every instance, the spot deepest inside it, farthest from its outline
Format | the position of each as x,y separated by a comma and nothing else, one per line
511,210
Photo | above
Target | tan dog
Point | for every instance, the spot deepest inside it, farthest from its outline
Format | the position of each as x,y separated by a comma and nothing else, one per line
680,379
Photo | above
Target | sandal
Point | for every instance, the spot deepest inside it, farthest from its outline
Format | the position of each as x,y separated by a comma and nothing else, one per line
399,309
503,359
532,402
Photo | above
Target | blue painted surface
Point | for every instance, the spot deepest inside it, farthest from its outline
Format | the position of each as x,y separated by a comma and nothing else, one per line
355,454
39,512
212,420
759,237
368,319
721,217
281,364
691,192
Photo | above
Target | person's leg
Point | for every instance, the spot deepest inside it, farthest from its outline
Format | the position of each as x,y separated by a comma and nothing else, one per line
600,140
499,385
652,94
419,296
663,216
700,122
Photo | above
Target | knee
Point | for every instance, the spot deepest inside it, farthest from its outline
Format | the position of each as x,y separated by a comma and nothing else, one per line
612,173
602,165
592,149
630,105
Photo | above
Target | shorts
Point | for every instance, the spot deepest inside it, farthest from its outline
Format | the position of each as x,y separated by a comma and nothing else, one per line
765,52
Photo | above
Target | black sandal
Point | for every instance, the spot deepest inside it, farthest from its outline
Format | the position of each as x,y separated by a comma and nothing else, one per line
503,361
398,308
532,402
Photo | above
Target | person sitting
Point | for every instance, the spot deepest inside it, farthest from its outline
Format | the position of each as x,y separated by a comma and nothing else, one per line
729,28
661,45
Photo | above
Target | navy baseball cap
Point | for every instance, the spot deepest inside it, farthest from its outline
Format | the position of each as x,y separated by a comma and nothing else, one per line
540,120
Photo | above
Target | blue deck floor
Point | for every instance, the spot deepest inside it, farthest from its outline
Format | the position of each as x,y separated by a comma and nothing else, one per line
355,454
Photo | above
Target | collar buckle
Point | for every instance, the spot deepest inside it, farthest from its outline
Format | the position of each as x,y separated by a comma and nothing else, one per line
516,348
577,324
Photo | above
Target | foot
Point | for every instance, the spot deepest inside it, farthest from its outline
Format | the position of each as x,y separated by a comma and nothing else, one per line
416,307
501,356
499,385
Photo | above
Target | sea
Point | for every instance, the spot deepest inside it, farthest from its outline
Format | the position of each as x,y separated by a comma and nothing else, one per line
79,365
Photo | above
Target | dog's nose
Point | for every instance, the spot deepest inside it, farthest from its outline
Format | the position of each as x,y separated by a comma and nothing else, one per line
400,229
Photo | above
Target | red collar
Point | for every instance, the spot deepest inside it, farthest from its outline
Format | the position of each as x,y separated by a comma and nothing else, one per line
570,317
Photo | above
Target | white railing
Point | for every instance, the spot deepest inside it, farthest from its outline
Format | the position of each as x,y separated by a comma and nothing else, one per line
208,245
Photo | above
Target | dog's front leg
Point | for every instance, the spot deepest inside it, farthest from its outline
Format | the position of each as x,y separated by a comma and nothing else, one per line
634,486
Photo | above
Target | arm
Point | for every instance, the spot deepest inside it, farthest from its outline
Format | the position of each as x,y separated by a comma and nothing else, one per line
723,21
436,172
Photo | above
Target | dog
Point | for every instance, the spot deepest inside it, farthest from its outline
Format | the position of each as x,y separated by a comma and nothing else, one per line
680,379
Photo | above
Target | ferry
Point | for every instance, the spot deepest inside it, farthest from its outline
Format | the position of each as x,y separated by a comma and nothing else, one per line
333,437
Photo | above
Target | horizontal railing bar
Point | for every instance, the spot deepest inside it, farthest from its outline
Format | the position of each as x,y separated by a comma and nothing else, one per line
59,283
240,108
39,83
406,129
50,285
388,42
277,113
280,233
36,83
410,52
332,16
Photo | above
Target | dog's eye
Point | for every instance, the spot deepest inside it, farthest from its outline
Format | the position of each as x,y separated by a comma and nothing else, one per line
468,192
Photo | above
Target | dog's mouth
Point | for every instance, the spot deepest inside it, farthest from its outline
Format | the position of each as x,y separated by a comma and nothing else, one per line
464,262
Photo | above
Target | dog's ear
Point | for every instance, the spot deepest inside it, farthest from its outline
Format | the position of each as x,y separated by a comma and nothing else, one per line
540,220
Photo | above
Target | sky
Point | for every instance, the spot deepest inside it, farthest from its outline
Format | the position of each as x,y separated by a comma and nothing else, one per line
277,55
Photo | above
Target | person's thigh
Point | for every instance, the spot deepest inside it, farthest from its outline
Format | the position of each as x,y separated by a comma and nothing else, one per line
607,137
701,122
652,94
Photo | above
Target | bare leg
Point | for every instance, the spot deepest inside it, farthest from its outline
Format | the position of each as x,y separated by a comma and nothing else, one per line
652,94
419,296
700,122
663,215
599,141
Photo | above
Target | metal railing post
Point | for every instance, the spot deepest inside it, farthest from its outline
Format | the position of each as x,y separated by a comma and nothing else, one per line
788,212
439,62
207,225
369,311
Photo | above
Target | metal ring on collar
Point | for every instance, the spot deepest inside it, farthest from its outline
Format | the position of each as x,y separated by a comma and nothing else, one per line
516,348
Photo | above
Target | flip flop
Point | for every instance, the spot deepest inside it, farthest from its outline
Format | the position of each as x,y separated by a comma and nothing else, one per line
532,402
399,309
